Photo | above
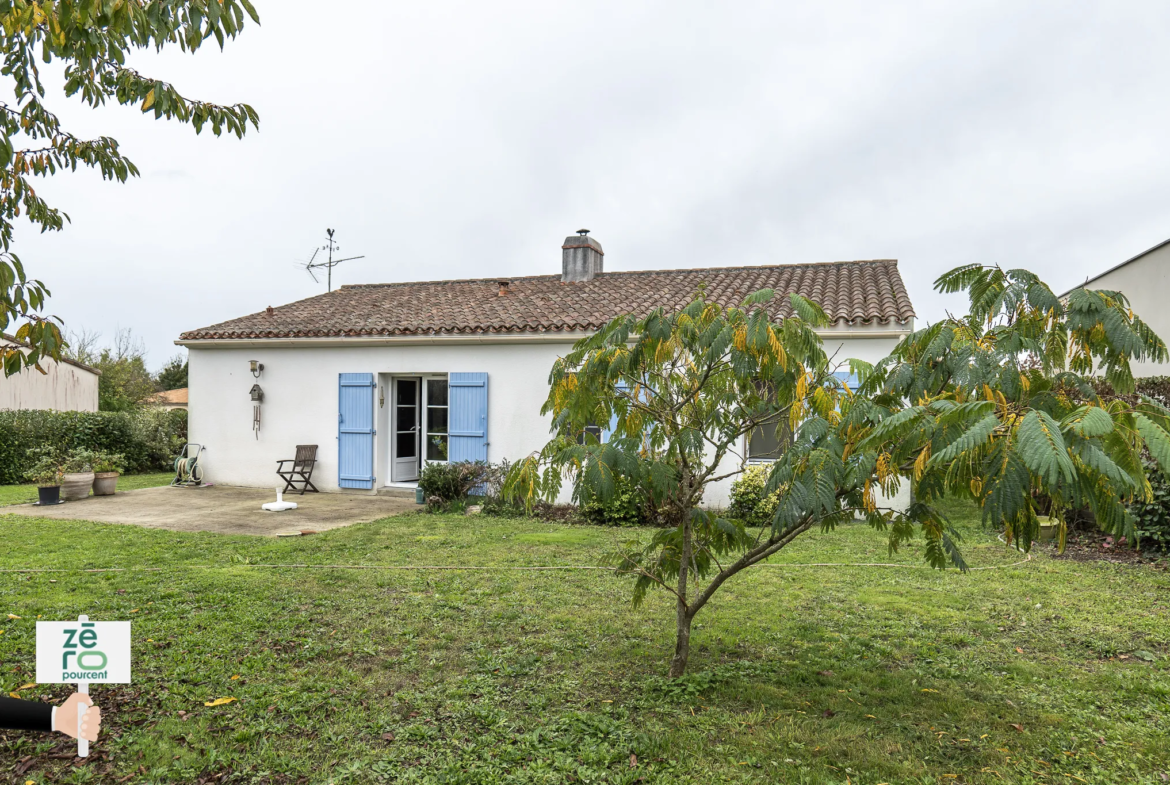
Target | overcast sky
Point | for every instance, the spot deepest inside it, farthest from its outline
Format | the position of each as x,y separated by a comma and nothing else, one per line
467,139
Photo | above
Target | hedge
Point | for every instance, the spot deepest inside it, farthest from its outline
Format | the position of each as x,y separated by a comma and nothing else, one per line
148,438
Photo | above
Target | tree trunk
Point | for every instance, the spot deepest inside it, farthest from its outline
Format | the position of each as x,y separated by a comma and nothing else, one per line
682,646
682,643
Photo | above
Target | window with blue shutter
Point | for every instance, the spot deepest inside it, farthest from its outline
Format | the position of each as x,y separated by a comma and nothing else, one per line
355,430
467,411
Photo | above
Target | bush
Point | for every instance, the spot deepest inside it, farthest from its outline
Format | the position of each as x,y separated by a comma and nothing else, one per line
627,507
1153,517
147,439
44,466
444,483
748,501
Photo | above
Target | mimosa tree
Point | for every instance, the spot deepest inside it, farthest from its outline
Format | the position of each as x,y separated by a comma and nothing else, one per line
995,407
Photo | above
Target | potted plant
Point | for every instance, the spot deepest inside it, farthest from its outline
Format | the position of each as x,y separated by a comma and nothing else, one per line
106,467
46,473
78,477
1049,524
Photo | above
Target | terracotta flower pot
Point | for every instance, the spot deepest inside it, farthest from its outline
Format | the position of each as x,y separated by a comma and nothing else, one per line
49,494
105,483
75,486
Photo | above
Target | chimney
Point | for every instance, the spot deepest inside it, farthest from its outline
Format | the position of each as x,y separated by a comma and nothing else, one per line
581,257
503,287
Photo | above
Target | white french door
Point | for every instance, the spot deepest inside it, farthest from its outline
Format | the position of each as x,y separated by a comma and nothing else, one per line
407,397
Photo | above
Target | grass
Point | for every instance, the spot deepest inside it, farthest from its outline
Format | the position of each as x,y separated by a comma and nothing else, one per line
1050,671
24,494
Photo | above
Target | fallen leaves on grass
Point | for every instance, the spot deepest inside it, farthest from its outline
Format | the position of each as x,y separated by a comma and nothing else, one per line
219,702
1017,726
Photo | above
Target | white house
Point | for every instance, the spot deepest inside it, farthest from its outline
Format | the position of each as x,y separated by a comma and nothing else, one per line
65,386
386,377
1145,281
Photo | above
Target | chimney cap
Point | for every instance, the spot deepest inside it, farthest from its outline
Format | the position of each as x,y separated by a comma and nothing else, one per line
582,232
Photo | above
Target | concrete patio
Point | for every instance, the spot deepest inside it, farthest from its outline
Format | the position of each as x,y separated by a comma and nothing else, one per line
223,509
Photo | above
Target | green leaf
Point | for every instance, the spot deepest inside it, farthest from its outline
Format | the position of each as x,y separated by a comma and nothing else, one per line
1088,421
809,311
973,437
1042,448
1157,440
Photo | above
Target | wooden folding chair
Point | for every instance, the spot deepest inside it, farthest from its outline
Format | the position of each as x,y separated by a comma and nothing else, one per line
301,471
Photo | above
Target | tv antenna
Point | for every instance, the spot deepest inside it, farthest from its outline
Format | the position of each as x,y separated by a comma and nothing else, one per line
329,247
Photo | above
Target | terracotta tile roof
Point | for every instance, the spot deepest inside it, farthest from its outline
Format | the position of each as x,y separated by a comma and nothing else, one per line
866,291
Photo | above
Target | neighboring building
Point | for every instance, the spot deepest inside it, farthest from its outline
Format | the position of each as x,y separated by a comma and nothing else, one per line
170,399
66,386
387,377
1145,281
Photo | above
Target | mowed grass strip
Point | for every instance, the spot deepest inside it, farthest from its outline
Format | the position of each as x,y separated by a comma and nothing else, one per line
798,674
26,494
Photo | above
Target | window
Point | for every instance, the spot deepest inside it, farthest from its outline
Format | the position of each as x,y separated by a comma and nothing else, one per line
595,430
850,379
436,420
769,440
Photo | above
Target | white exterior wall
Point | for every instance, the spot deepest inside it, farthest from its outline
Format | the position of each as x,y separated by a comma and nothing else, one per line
300,404
1146,283
64,388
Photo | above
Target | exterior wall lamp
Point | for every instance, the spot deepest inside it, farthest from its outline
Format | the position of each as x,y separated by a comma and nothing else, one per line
256,367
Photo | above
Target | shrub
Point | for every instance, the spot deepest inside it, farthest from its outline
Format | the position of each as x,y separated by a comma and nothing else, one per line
79,461
108,462
748,500
45,467
147,439
453,482
627,506
1153,517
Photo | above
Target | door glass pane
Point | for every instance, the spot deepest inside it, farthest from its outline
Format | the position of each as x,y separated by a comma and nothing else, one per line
436,447
436,392
407,391
406,418
405,447
436,422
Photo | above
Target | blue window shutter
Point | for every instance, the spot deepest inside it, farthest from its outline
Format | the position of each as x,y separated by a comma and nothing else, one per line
607,431
467,401
355,430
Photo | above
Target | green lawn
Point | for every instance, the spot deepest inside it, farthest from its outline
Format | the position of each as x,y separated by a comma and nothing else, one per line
1049,671
23,494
